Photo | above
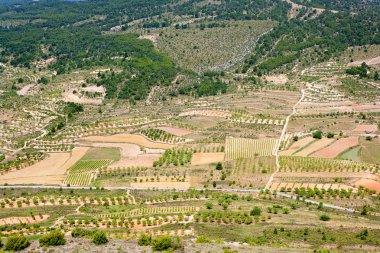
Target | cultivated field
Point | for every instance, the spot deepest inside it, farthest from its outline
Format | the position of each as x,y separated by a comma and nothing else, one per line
247,148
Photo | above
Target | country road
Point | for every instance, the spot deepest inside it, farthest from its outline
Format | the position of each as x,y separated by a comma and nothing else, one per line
294,111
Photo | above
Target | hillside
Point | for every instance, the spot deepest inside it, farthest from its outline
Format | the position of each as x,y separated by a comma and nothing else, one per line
190,126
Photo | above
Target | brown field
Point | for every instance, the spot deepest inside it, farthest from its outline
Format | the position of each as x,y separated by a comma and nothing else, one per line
144,160
297,145
207,158
372,61
22,220
175,131
314,147
366,128
48,171
207,113
128,138
337,147
369,184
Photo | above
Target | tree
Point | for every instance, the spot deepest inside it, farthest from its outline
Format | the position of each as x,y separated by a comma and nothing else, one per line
54,238
368,138
209,205
317,135
16,243
330,135
365,210
214,184
219,166
144,240
324,217
99,238
295,138
256,211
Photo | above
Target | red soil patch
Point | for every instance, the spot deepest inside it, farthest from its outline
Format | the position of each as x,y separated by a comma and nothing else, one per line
366,128
337,147
369,184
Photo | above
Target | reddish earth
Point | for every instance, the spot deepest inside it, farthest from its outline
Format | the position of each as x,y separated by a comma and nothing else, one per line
369,184
366,128
337,147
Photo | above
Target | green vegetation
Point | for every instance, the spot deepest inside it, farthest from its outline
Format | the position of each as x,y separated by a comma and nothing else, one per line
174,157
102,154
99,238
16,243
54,238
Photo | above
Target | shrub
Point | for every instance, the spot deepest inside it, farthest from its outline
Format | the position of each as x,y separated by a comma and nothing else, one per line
202,239
144,240
166,242
54,238
330,135
256,211
317,135
16,243
209,205
368,138
219,166
99,238
81,232
324,217
295,138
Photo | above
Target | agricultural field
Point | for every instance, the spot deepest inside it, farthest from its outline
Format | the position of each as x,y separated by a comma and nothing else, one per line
189,126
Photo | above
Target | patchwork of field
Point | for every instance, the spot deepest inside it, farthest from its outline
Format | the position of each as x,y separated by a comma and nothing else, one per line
48,171
313,147
337,147
297,145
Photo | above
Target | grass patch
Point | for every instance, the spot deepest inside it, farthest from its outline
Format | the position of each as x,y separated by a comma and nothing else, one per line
352,154
102,154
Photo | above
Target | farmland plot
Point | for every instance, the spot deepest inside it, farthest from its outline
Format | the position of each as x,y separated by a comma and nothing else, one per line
337,147
313,147
248,148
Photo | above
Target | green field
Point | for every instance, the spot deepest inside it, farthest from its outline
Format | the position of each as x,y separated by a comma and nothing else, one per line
102,154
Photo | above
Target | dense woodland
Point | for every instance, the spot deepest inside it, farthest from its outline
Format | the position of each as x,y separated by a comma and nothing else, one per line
65,30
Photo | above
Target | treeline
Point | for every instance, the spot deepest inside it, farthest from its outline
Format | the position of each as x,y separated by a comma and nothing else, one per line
323,37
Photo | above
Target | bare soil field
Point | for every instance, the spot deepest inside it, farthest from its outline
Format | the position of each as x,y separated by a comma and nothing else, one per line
337,147
128,138
207,113
207,158
176,131
365,128
315,146
371,61
277,79
48,171
369,184
22,220
144,160
297,145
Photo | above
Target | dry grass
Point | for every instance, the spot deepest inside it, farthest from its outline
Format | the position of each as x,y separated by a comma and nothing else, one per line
128,138
207,158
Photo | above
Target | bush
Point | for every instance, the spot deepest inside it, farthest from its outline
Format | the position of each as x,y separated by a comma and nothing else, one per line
166,242
209,205
256,211
202,239
16,243
81,232
295,138
144,240
99,238
219,166
324,217
368,138
317,135
54,238
330,135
